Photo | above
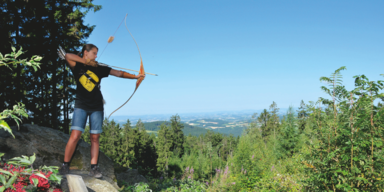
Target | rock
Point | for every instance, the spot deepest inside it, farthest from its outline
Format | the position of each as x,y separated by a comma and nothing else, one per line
49,146
131,176
93,184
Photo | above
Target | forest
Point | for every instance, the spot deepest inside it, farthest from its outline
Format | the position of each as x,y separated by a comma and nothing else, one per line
331,144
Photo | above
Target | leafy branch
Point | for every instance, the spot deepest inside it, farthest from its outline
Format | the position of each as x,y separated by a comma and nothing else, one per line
11,59
19,109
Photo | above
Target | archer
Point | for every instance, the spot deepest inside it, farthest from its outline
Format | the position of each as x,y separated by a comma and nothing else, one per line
89,102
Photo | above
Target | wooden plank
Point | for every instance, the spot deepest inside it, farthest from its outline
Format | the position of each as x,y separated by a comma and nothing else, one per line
76,183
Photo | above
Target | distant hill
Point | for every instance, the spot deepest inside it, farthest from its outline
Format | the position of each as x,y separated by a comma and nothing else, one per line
227,126
154,127
230,116
227,131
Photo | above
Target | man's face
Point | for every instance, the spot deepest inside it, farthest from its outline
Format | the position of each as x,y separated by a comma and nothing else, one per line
92,54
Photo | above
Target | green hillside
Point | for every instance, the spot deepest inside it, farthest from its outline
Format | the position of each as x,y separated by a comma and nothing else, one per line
153,127
221,126
229,130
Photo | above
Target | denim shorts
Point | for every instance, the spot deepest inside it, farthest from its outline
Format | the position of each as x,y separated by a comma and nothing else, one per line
79,119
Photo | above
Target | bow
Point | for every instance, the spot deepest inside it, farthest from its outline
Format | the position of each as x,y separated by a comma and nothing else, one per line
142,72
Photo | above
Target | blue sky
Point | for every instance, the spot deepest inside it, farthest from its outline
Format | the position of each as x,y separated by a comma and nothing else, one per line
219,55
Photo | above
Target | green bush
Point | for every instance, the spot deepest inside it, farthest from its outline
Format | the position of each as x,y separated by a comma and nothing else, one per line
349,154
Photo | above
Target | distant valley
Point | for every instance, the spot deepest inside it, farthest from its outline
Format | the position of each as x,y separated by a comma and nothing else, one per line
196,123
225,122
153,127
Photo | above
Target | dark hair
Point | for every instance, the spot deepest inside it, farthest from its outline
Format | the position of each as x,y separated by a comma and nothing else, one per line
87,47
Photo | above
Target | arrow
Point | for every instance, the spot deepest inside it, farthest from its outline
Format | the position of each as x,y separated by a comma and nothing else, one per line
103,64
61,53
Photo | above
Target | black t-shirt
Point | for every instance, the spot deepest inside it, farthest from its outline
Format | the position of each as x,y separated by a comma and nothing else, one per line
88,94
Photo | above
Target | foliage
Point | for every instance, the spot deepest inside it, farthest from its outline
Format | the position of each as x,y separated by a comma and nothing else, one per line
156,157
18,173
48,93
302,116
19,109
177,135
349,154
256,166
163,148
137,187
263,120
289,136
11,59
128,147
186,185
145,150
332,144
110,138
274,120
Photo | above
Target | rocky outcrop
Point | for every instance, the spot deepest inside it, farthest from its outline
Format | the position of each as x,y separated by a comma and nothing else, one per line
93,184
131,176
49,146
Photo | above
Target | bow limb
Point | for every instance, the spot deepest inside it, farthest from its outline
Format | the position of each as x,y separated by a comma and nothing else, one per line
142,72
138,82
123,104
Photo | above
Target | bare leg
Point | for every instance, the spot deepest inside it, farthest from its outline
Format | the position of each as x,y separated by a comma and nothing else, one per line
94,148
71,145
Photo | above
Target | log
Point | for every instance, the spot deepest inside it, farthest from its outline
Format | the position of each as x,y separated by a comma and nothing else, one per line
76,183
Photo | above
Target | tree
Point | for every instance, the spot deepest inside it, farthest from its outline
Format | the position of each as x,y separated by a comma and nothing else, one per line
228,146
302,116
163,148
177,135
145,152
274,120
289,135
40,26
350,151
263,120
127,146
110,138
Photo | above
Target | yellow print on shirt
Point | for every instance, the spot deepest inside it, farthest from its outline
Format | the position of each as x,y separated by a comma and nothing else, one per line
88,84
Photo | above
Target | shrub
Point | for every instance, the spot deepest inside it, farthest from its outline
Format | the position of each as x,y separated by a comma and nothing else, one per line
349,155
17,173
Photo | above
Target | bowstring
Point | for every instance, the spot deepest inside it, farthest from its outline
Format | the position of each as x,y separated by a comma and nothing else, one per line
112,36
